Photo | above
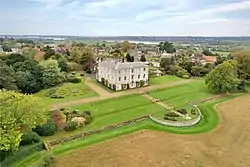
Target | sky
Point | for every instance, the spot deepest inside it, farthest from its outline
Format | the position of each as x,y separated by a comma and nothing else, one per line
125,17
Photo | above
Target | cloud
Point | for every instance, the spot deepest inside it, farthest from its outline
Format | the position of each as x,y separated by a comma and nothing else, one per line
127,17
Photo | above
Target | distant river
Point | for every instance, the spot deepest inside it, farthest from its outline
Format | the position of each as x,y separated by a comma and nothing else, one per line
144,42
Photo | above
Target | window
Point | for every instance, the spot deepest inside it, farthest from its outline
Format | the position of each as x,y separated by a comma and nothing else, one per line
144,69
144,75
119,72
132,70
138,76
119,78
125,78
132,76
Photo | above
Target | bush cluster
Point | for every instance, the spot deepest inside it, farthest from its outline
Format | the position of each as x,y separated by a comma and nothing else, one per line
50,92
29,138
193,111
48,129
56,96
182,111
170,118
70,126
74,79
171,114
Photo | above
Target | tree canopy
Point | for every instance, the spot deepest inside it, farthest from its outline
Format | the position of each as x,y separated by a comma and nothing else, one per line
167,47
18,113
52,73
7,76
223,78
243,59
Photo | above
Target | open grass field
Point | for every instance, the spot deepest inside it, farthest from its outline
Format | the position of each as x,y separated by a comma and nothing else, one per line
163,79
116,110
179,96
227,145
83,91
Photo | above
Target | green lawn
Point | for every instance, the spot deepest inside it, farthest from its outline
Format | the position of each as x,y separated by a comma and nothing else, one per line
112,111
83,92
208,122
163,79
179,96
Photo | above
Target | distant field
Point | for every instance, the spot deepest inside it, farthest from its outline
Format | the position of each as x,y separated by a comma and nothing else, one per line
163,79
83,91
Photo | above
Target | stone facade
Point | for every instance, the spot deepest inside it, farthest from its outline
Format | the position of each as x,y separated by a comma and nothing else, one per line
122,75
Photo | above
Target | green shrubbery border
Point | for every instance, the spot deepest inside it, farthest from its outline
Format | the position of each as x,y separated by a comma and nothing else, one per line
23,152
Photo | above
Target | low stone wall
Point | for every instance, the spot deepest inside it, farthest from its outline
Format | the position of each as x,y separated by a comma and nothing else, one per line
89,133
179,123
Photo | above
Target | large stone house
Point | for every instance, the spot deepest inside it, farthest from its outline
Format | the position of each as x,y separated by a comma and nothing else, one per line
122,75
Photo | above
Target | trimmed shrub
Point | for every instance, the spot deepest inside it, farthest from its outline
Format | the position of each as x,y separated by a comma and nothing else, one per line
114,87
171,114
29,138
50,92
82,75
88,71
185,76
193,111
142,83
73,73
48,129
103,81
62,109
169,118
70,126
73,79
56,96
182,111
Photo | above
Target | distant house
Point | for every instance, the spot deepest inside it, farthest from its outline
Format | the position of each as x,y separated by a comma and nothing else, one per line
199,57
210,59
119,76
15,50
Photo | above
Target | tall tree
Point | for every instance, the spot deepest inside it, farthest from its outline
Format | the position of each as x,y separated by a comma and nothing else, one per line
52,73
223,78
29,76
125,46
207,52
167,46
143,58
167,63
7,77
128,57
18,113
243,59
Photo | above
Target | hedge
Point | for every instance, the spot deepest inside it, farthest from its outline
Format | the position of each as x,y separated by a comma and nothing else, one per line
22,153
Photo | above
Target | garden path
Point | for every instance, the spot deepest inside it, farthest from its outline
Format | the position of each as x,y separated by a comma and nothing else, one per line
107,95
161,104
